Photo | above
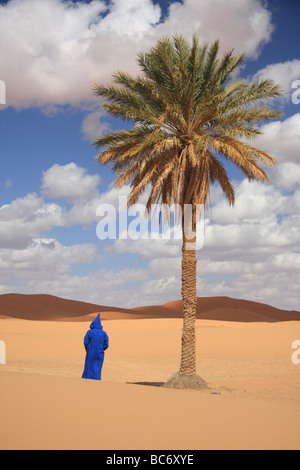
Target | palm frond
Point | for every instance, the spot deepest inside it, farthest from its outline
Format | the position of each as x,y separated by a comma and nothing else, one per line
187,115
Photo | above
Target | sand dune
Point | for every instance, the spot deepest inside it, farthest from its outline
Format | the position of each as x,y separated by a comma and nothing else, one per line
253,401
244,352
51,308
115,416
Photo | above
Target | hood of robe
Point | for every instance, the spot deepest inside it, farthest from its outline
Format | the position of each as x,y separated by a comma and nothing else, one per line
96,324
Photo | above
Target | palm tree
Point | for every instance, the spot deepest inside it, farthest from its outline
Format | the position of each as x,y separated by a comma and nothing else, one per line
187,119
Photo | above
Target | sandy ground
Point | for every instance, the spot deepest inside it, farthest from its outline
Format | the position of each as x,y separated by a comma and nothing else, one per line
253,401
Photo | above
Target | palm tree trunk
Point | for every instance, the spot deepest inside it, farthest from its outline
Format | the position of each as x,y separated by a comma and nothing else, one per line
189,293
187,377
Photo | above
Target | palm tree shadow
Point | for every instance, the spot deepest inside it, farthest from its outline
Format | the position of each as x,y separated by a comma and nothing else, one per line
150,384
212,390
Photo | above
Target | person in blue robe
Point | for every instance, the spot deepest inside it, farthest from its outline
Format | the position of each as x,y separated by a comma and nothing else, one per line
95,342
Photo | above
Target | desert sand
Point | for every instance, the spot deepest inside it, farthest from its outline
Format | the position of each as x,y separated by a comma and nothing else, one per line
253,399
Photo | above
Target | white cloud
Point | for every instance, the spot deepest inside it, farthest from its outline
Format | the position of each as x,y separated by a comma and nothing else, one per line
133,19
282,139
263,222
70,183
59,49
148,249
45,259
255,203
244,25
283,73
86,213
33,216
286,176
25,218
47,42
52,52
266,288
93,125
105,286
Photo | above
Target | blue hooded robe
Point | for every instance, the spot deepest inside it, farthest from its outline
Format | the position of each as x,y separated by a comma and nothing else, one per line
95,343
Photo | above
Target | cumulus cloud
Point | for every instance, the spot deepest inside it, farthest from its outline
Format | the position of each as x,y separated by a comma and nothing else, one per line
47,42
32,216
52,52
265,288
244,25
86,213
286,176
148,249
283,73
69,182
263,222
45,259
93,125
131,19
25,218
105,286
282,139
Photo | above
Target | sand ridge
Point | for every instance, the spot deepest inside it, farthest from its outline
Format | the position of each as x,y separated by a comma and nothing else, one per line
51,308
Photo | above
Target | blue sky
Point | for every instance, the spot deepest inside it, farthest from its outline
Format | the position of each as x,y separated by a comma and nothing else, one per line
51,54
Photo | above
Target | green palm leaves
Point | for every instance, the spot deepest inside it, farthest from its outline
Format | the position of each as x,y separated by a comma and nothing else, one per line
187,116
